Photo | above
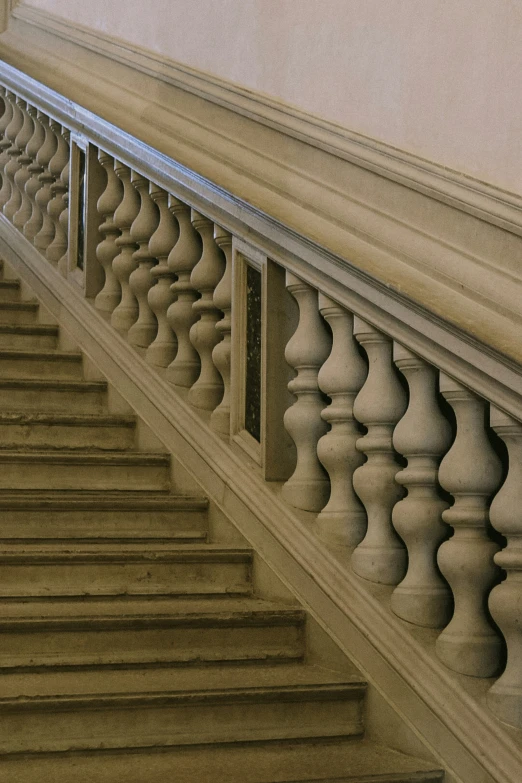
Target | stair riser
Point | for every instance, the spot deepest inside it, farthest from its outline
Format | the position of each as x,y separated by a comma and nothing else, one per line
111,646
19,475
184,723
40,368
14,315
57,436
27,342
9,293
52,400
145,578
30,524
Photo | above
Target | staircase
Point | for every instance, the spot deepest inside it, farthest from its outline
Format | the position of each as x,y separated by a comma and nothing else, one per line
133,647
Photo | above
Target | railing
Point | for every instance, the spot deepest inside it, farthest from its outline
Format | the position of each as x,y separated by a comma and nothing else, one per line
411,470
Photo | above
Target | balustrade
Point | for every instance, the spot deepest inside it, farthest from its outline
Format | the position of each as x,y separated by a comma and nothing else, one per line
162,351
23,140
43,237
11,198
59,167
143,331
470,471
35,169
183,370
308,488
381,556
343,519
125,313
107,250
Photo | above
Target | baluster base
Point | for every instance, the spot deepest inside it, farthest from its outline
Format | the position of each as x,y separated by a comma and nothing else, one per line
341,529
428,607
478,656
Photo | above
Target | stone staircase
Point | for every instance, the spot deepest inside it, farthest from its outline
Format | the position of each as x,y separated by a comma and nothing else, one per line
133,647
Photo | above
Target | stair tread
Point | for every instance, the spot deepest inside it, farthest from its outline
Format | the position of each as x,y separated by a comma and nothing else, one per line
31,329
355,760
49,355
120,610
24,306
82,456
76,419
178,682
126,552
51,383
64,499
9,283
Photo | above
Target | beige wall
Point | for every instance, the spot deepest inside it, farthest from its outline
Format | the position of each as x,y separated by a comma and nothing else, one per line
440,78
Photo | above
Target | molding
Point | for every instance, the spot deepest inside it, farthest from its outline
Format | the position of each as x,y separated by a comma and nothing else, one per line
486,201
458,728
394,241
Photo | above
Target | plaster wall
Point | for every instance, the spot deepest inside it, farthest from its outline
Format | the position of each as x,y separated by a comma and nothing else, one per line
434,77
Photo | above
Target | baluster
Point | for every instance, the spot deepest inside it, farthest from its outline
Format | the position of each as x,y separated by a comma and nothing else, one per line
220,418
381,556
12,195
6,118
23,140
184,370
62,229
45,235
59,163
505,696
206,393
308,348
161,352
126,312
423,436
343,519
107,250
38,143
142,333
471,472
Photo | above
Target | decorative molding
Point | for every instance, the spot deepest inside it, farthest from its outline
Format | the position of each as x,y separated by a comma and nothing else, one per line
462,733
486,201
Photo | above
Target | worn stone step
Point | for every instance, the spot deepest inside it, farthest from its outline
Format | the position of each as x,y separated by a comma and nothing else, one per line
46,395
129,569
173,707
122,632
70,515
9,290
351,760
27,336
65,431
18,312
84,470
17,363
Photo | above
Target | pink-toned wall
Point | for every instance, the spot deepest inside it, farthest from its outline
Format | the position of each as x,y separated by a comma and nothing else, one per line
439,78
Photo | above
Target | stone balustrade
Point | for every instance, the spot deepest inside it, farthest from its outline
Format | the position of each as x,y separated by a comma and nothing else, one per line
397,464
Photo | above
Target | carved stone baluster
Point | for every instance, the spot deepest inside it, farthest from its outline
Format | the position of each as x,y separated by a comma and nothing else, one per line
142,333
184,370
107,250
45,235
381,556
161,352
23,140
308,348
12,195
62,229
505,696
220,418
38,142
471,472
126,312
343,519
423,436
59,163
6,118
206,393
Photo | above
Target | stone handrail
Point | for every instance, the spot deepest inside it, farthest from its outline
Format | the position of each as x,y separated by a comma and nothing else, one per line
396,439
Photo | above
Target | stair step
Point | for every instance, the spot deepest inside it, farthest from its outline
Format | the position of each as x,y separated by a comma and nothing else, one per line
172,707
18,312
84,470
124,632
349,761
25,336
112,516
64,431
44,395
17,363
9,290
130,569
